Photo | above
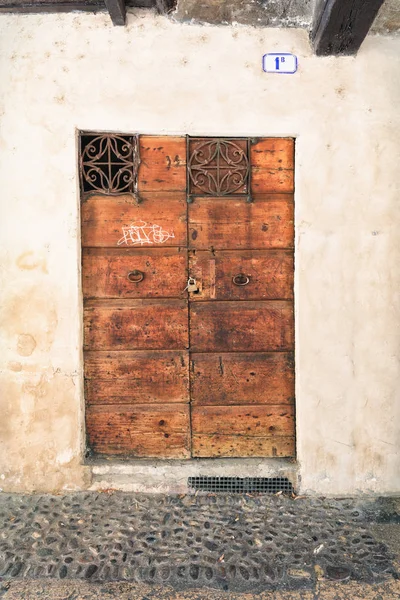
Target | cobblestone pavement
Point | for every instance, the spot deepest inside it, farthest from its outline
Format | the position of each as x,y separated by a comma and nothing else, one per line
52,589
236,543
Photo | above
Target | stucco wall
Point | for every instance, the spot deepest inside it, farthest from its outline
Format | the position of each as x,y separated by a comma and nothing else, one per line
62,72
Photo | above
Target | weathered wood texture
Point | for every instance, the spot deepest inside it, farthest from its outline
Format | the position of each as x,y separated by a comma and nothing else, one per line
270,274
266,181
137,377
162,164
241,326
340,26
117,11
272,154
138,366
227,223
159,219
242,378
254,421
105,272
135,325
161,431
209,446
272,166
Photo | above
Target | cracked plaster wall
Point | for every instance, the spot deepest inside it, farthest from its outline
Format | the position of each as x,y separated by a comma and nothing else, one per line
62,72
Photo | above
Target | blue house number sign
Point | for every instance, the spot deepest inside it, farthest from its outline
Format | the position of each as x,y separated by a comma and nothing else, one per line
280,63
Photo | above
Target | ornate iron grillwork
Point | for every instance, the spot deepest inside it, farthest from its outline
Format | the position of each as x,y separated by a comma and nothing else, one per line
108,163
218,166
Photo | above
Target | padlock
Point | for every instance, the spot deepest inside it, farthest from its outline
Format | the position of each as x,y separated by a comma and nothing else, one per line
192,285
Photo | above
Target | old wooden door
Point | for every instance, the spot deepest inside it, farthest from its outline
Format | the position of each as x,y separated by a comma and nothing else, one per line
204,372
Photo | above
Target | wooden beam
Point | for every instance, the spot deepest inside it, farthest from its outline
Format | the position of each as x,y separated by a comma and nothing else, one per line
340,26
117,10
55,6
60,6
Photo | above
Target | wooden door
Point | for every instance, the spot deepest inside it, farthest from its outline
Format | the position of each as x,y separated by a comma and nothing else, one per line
134,266
241,320
210,372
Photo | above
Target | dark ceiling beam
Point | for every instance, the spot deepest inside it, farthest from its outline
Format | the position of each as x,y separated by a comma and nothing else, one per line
117,10
340,26
45,6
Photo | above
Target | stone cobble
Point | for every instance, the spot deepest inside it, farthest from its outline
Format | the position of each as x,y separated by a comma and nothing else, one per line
239,543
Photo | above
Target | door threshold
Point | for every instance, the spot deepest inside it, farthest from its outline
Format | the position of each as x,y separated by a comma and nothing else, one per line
171,476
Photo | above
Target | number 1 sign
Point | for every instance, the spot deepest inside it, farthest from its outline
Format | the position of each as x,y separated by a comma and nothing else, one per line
280,63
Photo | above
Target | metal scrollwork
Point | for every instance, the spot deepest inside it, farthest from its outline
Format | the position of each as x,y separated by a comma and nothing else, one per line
108,163
218,167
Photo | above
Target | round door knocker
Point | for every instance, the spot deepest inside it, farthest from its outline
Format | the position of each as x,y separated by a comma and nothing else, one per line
240,279
136,276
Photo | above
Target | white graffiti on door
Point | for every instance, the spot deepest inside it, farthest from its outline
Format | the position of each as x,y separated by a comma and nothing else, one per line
139,233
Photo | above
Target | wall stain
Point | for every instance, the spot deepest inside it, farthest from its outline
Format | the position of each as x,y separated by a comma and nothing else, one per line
15,366
31,312
27,262
26,344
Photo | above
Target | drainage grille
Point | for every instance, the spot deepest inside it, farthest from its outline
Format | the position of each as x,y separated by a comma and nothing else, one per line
262,485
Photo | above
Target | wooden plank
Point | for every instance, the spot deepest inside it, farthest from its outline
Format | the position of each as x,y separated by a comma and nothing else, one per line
241,326
340,26
255,420
105,272
210,446
136,377
135,325
267,181
227,223
57,6
248,378
120,221
117,11
270,274
162,164
272,153
143,430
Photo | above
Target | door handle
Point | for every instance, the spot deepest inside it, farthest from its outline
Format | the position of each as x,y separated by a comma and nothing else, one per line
240,279
136,276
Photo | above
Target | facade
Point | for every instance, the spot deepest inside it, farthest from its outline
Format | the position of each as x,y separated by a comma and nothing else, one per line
67,73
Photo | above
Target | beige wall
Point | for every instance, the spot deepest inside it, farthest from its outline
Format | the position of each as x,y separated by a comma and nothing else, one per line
62,72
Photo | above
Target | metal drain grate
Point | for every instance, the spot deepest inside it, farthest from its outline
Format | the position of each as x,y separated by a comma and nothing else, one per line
238,485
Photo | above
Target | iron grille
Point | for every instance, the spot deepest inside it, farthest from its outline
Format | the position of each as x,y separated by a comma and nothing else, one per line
218,167
237,485
108,163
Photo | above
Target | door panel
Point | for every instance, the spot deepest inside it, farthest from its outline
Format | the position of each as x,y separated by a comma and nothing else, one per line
213,446
274,180
162,164
141,377
242,378
142,430
106,272
241,327
272,166
227,223
135,325
122,221
272,153
270,274
254,421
